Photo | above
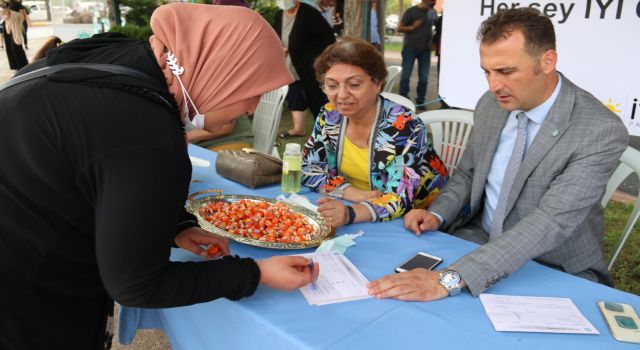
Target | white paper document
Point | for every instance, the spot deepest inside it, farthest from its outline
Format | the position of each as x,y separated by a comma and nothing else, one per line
535,314
339,280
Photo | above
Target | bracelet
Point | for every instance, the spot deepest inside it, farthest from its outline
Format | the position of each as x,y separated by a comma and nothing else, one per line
352,214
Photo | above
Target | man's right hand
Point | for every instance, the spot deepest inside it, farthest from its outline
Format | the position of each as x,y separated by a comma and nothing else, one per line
287,272
417,24
419,220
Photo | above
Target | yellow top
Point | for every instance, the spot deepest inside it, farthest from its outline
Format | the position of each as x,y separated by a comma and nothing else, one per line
355,165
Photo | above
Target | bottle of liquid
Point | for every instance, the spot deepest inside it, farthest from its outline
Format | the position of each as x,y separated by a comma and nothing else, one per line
291,168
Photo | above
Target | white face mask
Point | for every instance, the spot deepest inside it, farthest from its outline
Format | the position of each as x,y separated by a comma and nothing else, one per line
198,120
197,123
286,4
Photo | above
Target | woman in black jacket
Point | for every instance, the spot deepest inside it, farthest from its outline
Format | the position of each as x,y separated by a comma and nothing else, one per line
94,173
308,34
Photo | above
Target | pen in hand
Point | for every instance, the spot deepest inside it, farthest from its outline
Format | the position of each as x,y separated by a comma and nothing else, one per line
314,274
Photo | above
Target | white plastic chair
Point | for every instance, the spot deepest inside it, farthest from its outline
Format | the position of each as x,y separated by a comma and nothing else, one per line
393,75
450,131
629,163
401,100
266,120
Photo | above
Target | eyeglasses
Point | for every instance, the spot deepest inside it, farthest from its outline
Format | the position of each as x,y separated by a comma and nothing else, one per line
333,88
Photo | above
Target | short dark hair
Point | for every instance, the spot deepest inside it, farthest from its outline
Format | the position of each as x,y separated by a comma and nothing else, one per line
537,29
355,52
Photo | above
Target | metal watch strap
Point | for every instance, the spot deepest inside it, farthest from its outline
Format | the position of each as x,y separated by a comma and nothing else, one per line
452,290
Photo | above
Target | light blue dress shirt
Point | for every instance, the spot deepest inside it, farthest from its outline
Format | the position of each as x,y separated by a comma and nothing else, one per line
375,37
505,148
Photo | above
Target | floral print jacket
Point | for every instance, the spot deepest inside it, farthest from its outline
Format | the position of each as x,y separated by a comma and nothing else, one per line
404,166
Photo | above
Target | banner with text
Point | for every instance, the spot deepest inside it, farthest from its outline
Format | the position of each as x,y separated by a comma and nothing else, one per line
597,42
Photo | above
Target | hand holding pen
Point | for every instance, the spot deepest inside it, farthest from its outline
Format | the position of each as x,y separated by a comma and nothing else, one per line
288,272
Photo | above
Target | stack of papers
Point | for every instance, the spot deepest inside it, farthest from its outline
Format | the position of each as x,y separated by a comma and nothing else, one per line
339,280
535,314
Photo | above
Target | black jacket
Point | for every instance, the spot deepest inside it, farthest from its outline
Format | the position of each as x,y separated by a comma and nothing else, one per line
94,173
310,35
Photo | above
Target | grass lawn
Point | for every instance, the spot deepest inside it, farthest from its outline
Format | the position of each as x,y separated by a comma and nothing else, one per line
286,123
393,47
626,271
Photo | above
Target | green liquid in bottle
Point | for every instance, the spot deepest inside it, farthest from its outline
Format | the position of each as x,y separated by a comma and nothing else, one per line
291,171
291,182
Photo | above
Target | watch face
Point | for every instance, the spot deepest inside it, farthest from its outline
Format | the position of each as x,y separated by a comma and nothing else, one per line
450,279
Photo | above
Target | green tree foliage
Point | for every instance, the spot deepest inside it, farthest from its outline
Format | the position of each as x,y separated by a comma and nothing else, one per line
141,11
134,31
266,9
393,5
138,17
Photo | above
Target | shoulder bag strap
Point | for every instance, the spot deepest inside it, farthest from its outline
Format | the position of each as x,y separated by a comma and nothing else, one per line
110,68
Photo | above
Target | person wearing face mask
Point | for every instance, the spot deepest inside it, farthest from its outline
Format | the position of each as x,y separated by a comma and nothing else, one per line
235,135
304,34
94,173
364,148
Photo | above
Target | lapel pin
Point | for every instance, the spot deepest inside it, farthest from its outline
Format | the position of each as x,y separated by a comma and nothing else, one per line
555,133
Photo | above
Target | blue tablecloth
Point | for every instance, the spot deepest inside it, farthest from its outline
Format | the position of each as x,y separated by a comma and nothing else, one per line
272,319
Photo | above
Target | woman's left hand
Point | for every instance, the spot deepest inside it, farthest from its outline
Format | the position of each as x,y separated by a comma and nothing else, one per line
334,211
356,195
193,238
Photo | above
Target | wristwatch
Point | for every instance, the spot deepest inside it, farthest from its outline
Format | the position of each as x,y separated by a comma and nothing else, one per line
351,214
450,279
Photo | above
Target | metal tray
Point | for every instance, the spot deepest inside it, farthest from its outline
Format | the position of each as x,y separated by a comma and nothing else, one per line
322,231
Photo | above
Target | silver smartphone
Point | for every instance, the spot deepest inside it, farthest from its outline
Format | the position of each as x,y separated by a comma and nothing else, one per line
622,320
421,259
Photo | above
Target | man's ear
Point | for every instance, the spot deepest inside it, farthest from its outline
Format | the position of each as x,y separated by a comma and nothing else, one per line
548,61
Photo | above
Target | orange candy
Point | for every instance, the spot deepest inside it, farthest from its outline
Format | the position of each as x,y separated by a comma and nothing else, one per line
213,250
259,220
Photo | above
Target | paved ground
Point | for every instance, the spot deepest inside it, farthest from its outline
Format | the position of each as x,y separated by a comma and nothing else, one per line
156,340
148,339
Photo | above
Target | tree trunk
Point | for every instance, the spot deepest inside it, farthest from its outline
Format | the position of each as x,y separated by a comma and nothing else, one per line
354,18
48,8
115,16
112,13
381,11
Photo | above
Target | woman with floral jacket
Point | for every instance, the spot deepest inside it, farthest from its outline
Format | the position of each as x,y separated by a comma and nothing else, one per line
364,148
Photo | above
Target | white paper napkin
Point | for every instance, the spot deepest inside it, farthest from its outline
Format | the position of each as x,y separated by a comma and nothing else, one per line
199,162
299,200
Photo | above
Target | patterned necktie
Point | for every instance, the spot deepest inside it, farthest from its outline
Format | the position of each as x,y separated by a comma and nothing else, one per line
509,175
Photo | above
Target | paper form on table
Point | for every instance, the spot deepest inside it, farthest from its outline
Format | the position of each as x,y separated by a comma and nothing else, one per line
339,280
510,313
